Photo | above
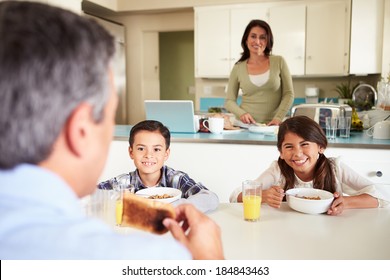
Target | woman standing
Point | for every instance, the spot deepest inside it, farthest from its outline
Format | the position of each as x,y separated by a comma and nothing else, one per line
264,79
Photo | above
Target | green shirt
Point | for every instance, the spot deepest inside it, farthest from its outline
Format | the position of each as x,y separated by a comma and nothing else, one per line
269,101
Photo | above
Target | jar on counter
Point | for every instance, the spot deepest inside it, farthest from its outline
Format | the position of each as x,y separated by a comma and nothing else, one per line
383,89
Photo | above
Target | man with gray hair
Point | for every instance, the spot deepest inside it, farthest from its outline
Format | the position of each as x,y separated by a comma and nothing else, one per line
57,111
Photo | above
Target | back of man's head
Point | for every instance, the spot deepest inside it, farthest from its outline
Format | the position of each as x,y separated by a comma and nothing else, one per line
51,60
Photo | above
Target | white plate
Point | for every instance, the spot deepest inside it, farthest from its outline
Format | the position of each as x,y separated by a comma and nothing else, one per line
268,130
232,131
175,193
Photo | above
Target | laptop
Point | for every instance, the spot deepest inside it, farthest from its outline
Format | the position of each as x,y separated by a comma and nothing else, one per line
177,115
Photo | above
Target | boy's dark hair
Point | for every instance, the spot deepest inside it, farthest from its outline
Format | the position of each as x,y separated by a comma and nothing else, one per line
310,131
150,125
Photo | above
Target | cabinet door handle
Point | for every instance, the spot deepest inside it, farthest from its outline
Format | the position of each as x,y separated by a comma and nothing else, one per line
379,173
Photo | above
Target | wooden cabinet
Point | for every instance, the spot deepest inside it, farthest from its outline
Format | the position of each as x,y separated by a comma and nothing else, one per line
313,37
366,36
218,33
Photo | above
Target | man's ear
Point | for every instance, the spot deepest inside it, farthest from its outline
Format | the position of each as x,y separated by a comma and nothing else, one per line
77,129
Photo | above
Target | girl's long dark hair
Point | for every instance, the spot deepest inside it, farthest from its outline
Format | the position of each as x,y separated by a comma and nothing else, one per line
309,130
270,38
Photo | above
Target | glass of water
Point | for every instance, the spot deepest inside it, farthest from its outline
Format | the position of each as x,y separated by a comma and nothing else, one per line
331,127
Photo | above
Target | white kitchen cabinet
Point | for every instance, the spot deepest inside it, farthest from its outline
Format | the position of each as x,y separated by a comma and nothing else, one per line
374,164
327,38
212,42
72,5
366,36
313,37
218,33
288,23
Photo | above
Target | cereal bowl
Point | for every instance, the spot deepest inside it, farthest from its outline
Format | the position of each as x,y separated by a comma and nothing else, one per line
308,200
162,194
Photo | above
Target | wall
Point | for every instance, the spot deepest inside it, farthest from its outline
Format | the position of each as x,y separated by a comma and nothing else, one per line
211,88
125,5
136,26
176,56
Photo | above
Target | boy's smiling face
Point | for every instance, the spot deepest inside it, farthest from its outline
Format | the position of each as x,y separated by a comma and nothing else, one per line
149,153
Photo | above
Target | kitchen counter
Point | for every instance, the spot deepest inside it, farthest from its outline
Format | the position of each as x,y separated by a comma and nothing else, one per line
357,140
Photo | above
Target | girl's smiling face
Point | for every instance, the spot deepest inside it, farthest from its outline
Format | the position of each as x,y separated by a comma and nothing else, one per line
300,155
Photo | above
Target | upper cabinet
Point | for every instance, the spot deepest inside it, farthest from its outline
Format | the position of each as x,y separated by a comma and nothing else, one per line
313,37
327,38
288,24
366,36
72,5
218,33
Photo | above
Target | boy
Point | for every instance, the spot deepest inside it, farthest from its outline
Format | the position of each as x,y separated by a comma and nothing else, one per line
149,149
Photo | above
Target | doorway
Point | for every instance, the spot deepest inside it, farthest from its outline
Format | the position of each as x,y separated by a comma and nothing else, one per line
176,60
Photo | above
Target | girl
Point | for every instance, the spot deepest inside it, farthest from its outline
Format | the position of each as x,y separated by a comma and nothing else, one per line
302,163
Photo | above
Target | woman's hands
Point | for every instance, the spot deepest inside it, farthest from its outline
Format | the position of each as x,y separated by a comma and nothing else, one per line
273,196
247,118
274,122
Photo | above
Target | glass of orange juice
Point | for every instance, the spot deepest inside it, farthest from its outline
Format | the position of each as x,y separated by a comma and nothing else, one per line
251,197
118,211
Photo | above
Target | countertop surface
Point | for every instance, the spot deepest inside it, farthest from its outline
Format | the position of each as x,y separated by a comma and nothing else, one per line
357,139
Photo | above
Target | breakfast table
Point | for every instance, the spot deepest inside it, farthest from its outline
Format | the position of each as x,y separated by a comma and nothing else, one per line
285,234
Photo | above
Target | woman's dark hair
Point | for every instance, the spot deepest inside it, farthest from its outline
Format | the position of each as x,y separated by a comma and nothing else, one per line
270,38
310,131
150,125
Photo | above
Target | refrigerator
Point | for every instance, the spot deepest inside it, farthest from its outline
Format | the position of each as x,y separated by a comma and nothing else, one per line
119,65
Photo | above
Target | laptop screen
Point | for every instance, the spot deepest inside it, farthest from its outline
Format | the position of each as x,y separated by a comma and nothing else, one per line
177,115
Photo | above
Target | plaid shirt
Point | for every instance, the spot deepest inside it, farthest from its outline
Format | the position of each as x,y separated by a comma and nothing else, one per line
170,178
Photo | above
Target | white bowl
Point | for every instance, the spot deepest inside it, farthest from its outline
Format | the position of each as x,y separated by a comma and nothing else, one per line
174,194
309,206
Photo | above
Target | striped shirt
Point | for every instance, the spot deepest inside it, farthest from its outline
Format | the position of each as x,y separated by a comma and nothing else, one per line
170,178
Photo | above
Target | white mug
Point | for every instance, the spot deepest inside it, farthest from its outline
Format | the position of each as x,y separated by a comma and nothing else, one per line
381,130
215,125
196,122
